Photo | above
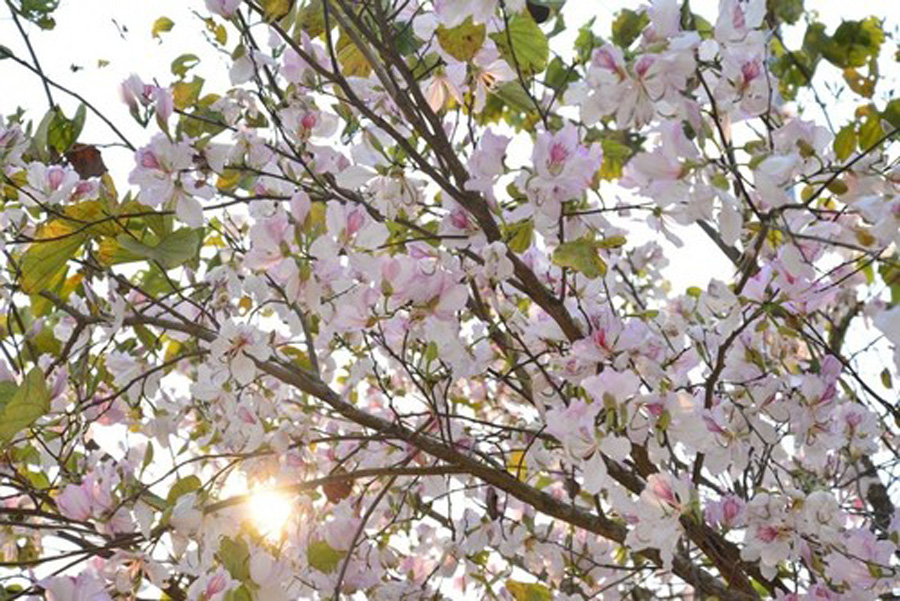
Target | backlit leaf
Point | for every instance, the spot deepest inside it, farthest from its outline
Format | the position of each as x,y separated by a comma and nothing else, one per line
311,19
523,44
870,132
235,556
580,255
184,63
175,249
276,9
845,142
183,486
854,42
45,260
525,591
185,94
463,41
628,26
30,401
353,62
162,25
323,558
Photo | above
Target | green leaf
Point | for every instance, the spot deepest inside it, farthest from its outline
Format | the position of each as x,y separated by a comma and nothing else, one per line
323,558
815,40
523,44
235,557
886,378
405,40
580,255
615,155
38,12
559,75
786,11
463,41
514,96
586,41
29,402
525,591
845,142
46,258
628,26
58,132
891,113
175,249
162,25
5,52
870,132
203,120
854,42
183,486
184,63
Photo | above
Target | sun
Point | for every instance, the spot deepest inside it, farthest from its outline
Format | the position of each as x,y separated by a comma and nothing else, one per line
269,510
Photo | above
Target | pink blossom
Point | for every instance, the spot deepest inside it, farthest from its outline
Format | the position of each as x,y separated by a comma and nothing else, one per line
563,168
223,8
84,587
574,427
75,502
726,512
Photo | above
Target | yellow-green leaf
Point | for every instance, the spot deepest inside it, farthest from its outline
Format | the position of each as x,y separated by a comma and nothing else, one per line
23,407
463,41
891,113
185,94
519,235
615,155
45,260
870,132
353,62
162,25
311,19
523,44
612,242
173,250
218,31
854,43
845,142
183,486
235,556
322,557
526,591
184,63
580,255
276,9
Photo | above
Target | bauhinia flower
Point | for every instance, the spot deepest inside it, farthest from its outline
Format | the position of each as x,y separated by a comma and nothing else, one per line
238,347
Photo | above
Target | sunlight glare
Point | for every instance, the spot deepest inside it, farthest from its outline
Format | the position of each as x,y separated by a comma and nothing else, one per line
269,511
